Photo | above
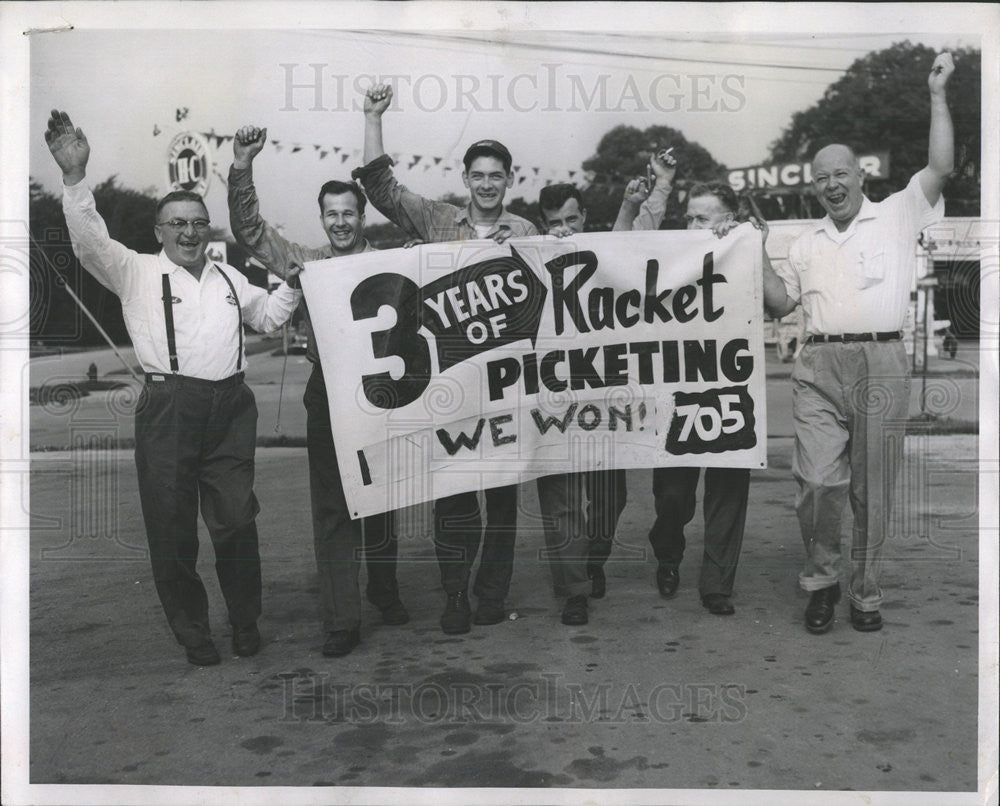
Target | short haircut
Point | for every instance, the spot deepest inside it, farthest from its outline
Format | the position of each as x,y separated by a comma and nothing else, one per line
336,188
180,196
720,190
488,148
552,197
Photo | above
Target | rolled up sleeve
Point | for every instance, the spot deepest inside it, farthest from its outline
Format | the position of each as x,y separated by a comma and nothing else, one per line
419,217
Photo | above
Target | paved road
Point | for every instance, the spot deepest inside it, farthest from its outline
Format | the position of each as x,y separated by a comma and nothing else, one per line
649,694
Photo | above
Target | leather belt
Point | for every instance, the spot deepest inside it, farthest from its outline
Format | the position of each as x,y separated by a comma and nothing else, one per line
894,335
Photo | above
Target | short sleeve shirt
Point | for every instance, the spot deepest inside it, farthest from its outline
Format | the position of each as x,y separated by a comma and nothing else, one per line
859,280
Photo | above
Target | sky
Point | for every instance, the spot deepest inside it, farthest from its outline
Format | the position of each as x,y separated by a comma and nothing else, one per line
548,95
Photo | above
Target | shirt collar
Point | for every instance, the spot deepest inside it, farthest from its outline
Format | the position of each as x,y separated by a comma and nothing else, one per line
167,266
868,210
367,248
463,215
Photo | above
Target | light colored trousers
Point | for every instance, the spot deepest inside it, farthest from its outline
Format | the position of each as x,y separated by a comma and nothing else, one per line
850,407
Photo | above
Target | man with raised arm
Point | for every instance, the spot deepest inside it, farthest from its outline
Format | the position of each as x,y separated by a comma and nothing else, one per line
580,537
337,539
852,272
457,520
196,419
711,205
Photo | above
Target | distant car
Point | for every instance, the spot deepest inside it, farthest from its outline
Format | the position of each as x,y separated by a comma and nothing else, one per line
299,344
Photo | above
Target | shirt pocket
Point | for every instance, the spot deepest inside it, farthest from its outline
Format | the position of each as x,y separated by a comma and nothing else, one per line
870,268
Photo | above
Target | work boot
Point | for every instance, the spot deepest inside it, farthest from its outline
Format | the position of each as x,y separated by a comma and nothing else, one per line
457,616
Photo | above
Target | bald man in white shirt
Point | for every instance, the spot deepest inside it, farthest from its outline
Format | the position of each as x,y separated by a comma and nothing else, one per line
196,419
852,272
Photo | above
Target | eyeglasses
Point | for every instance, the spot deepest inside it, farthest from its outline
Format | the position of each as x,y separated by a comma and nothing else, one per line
179,224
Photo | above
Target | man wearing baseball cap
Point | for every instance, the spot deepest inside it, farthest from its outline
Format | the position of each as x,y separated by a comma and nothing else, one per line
457,519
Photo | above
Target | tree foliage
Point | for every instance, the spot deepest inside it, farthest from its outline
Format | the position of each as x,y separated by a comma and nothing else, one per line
882,103
623,153
55,317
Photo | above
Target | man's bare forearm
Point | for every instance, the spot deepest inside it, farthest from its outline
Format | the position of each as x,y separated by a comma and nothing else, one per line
776,300
941,142
373,138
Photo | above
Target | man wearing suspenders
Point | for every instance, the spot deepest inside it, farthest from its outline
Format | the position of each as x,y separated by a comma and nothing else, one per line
196,419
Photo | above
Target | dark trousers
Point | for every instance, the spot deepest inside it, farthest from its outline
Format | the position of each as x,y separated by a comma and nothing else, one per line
606,498
337,539
726,492
194,443
457,529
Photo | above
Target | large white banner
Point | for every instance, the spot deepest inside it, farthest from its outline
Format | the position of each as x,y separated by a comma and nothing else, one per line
462,366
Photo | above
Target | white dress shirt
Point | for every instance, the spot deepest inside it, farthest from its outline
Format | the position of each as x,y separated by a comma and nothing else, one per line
859,280
206,321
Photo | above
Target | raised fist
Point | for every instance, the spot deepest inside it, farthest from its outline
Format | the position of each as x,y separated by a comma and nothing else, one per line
247,144
637,191
941,71
664,166
377,99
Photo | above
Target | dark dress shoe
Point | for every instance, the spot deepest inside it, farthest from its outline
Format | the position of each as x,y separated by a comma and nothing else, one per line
598,584
668,577
819,611
489,611
246,640
718,604
575,612
457,616
341,642
865,620
203,655
394,614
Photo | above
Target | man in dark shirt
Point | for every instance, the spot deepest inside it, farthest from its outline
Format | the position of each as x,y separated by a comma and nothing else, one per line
337,538
457,520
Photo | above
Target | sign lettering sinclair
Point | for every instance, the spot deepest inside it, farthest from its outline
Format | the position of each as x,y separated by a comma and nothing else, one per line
462,366
798,174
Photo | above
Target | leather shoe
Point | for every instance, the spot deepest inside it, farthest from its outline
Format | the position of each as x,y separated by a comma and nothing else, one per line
457,616
394,614
819,611
341,642
246,640
718,604
598,583
865,620
668,577
575,611
204,654
489,611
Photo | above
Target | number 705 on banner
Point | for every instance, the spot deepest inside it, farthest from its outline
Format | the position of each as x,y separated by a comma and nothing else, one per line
712,421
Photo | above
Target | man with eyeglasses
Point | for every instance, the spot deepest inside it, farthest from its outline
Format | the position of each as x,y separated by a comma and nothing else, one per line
337,539
196,419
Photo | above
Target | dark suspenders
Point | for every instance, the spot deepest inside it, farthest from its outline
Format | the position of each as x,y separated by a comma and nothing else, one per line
168,316
239,311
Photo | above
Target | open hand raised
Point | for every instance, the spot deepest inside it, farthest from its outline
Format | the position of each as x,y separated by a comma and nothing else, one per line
69,147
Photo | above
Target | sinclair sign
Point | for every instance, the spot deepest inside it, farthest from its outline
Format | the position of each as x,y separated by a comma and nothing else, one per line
797,175
188,163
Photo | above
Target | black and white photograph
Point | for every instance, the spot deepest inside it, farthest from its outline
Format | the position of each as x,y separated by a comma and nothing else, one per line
537,403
